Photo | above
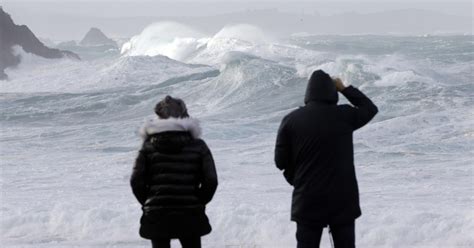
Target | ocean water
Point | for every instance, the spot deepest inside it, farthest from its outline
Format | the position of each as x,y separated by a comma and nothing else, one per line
69,136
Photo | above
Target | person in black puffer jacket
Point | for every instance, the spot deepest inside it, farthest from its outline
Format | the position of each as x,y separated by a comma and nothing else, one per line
174,177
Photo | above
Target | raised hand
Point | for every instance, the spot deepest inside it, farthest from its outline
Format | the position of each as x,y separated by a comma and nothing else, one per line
339,84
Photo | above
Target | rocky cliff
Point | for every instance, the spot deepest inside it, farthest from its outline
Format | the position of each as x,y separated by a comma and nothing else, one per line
20,35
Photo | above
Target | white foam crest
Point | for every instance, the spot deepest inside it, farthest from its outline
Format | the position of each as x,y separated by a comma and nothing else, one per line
398,78
170,39
245,32
182,43
351,69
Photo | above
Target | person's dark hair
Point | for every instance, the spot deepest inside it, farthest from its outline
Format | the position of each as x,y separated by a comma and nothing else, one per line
171,107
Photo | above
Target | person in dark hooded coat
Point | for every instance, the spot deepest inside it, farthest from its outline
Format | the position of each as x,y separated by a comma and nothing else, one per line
174,177
314,148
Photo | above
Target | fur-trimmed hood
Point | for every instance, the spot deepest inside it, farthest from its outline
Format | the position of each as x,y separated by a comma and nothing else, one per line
156,125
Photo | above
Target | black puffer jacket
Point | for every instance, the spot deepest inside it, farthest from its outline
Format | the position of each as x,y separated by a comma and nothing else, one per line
314,148
174,177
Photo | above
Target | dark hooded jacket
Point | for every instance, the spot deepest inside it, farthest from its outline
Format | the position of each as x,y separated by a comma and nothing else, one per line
314,149
174,177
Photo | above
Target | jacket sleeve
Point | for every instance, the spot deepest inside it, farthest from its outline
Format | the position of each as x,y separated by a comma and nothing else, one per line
138,178
283,152
364,109
209,177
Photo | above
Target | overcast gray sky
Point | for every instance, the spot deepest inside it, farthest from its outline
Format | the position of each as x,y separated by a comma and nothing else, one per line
70,19
211,1
458,7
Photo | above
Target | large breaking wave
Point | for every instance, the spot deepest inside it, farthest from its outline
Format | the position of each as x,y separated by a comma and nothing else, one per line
182,43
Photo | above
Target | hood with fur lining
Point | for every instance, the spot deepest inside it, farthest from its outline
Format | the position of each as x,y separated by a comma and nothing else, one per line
156,125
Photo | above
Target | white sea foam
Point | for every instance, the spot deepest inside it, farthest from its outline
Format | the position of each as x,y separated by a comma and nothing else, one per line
70,135
398,78
182,43
170,39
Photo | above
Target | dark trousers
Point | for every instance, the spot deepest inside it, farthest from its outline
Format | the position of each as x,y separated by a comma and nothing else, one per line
343,236
189,242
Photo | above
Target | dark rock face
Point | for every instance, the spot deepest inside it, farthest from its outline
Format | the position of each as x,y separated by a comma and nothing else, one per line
95,37
12,34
